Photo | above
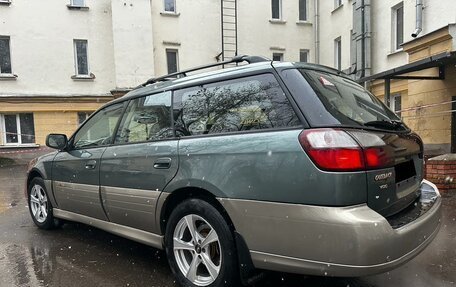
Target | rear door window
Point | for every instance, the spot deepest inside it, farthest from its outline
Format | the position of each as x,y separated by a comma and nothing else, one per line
251,103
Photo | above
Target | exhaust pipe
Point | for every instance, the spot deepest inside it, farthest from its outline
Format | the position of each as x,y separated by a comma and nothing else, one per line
419,18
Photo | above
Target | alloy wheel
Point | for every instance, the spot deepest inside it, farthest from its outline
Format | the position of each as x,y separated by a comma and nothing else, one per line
39,203
197,250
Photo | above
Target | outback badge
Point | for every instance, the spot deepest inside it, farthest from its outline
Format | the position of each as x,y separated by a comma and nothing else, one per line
383,176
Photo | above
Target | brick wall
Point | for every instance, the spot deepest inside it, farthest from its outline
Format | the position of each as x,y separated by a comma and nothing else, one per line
441,171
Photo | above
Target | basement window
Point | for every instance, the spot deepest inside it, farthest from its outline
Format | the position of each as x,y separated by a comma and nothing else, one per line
17,129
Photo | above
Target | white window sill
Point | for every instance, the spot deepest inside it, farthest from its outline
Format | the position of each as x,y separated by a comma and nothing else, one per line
5,3
395,52
73,7
89,77
8,77
277,21
337,8
304,23
169,14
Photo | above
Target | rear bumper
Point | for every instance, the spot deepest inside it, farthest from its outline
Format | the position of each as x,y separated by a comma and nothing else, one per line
332,241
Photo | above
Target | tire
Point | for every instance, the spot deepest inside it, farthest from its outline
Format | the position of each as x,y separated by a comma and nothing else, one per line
39,205
215,246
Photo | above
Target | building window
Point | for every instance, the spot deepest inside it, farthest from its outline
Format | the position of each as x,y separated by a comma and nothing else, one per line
82,116
170,6
5,55
396,104
338,3
398,26
77,3
304,55
276,9
277,57
303,10
338,53
172,60
17,129
81,59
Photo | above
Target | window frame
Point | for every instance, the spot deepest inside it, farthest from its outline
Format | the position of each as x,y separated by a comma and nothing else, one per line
306,12
76,64
10,56
338,53
169,11
19,142
395,45
279,54
306,52
176,52
72,4
280,10
393,104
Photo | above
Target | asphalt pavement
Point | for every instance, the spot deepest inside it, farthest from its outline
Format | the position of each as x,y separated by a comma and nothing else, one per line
80,255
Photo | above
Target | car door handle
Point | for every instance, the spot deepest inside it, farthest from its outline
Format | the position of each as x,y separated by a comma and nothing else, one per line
91,164
162,163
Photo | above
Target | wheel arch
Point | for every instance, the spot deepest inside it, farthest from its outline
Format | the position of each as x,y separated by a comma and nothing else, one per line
179,195
247,270
34,173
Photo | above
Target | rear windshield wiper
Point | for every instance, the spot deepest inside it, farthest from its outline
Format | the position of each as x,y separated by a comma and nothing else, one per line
392,124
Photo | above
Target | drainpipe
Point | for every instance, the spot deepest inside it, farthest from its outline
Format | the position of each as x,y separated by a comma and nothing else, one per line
317,31
419,18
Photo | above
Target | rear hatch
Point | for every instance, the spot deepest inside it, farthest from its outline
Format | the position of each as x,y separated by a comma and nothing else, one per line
395,187
389,152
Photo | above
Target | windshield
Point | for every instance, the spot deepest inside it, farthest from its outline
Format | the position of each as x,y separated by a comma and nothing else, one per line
349,102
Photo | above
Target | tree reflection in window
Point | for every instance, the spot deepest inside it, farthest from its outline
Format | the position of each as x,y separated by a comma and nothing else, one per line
251,103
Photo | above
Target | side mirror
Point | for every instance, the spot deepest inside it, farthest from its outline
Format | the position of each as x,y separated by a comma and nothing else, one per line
57,141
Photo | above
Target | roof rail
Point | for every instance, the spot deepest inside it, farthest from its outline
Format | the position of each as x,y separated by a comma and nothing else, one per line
236,59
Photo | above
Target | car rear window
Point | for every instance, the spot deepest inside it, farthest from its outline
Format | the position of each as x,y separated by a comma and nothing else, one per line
347,101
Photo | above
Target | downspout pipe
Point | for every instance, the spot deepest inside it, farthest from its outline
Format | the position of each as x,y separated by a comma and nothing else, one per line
419,18
317,31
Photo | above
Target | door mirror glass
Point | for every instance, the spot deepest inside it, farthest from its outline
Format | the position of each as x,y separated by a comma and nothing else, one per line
57,141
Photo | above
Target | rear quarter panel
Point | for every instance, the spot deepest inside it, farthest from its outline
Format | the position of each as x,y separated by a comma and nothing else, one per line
266,166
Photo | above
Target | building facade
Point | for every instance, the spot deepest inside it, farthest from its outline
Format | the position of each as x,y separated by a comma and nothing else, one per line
59,65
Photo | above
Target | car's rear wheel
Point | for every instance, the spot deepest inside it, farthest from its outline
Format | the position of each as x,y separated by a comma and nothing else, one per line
200,246
39,205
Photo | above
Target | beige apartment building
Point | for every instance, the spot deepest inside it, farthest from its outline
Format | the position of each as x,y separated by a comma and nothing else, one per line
61,60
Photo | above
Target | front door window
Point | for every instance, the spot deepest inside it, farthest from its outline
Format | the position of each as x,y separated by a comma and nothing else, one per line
98,131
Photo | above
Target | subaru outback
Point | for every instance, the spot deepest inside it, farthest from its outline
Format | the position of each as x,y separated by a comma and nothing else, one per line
279,166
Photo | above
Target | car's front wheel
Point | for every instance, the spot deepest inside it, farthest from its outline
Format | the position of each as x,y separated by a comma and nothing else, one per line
39,205
200,246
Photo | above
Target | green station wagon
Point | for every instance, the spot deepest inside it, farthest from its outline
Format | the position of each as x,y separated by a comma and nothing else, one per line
279,166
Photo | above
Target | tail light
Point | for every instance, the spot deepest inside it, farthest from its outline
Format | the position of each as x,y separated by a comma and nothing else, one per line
337,150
